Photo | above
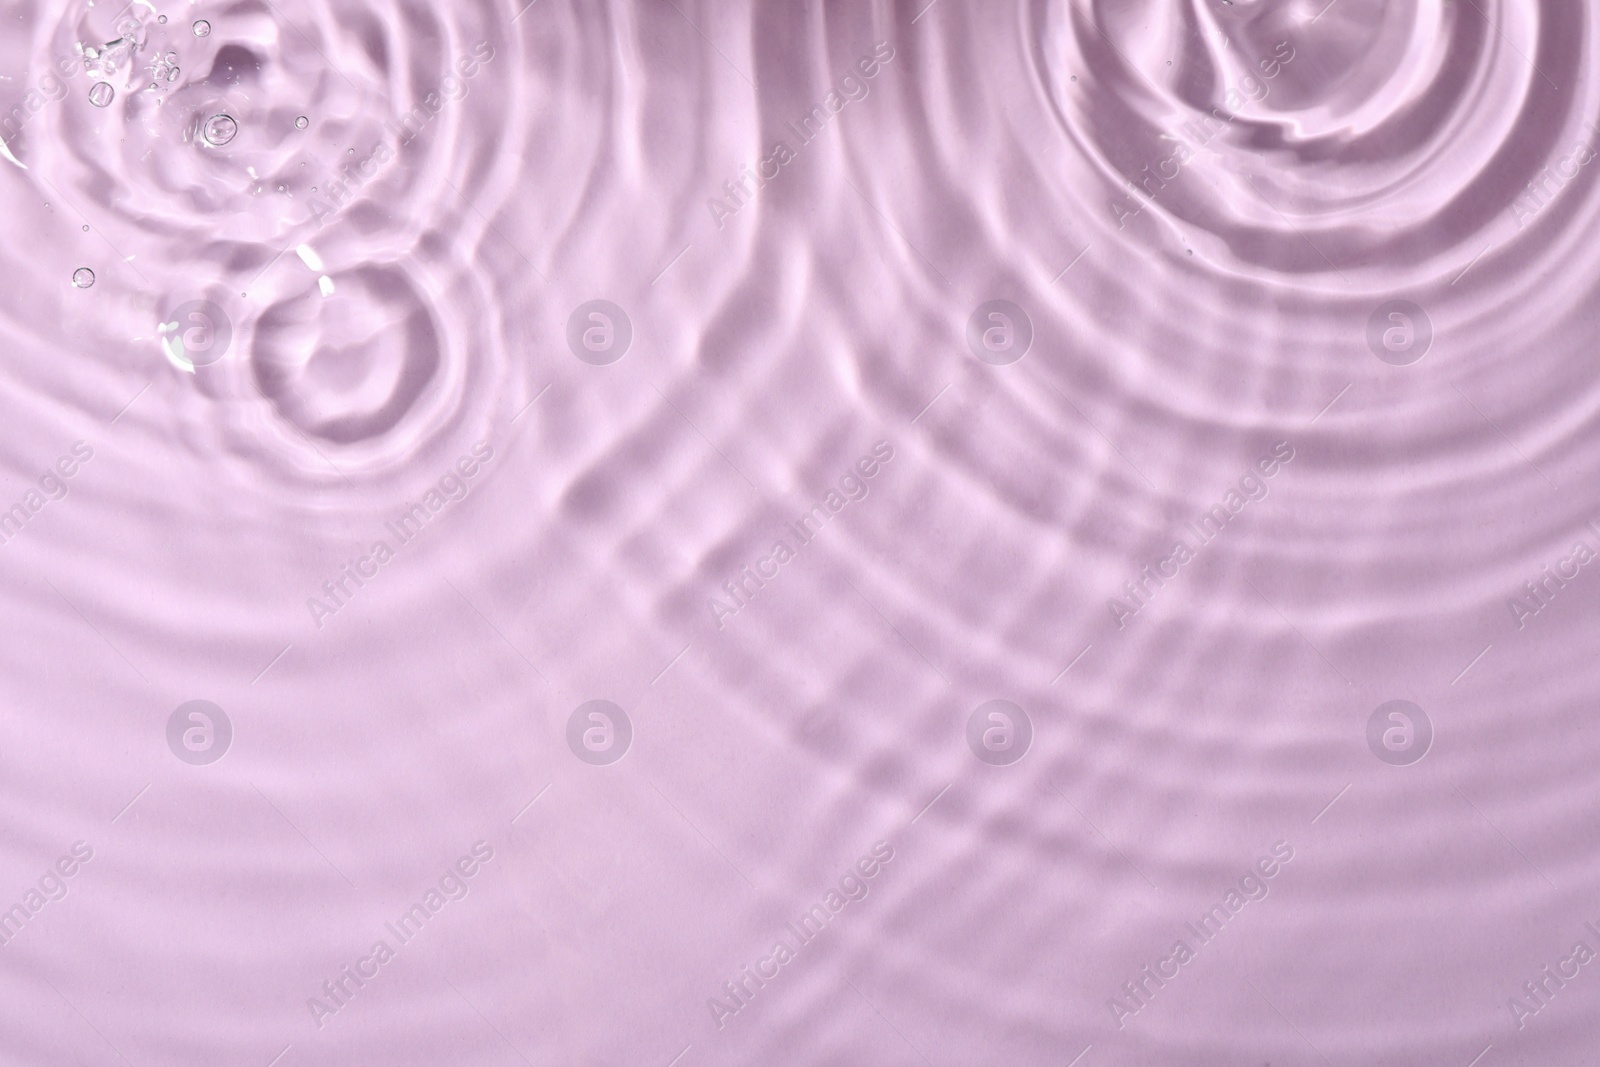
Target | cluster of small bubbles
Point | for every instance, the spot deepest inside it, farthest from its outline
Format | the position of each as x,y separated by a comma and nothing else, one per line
82,278
110,57
301,123
163,68
202,28
101,93
219,130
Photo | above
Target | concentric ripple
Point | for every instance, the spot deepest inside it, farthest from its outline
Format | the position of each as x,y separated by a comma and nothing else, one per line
219,156
1307,138
959,490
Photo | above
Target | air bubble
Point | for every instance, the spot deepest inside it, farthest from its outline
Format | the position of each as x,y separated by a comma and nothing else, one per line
301,123
101,94
82,278
161,19
202,28
219,130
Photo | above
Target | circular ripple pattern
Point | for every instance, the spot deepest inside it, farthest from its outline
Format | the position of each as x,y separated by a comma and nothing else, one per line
1201,376
1366,135
190,163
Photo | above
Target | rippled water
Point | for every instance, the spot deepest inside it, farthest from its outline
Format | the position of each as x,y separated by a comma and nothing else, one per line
950,533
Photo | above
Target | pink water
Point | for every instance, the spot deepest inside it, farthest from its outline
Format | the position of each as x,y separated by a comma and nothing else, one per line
686,533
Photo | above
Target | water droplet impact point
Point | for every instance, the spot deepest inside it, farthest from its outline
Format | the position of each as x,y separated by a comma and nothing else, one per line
219,130
82,278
